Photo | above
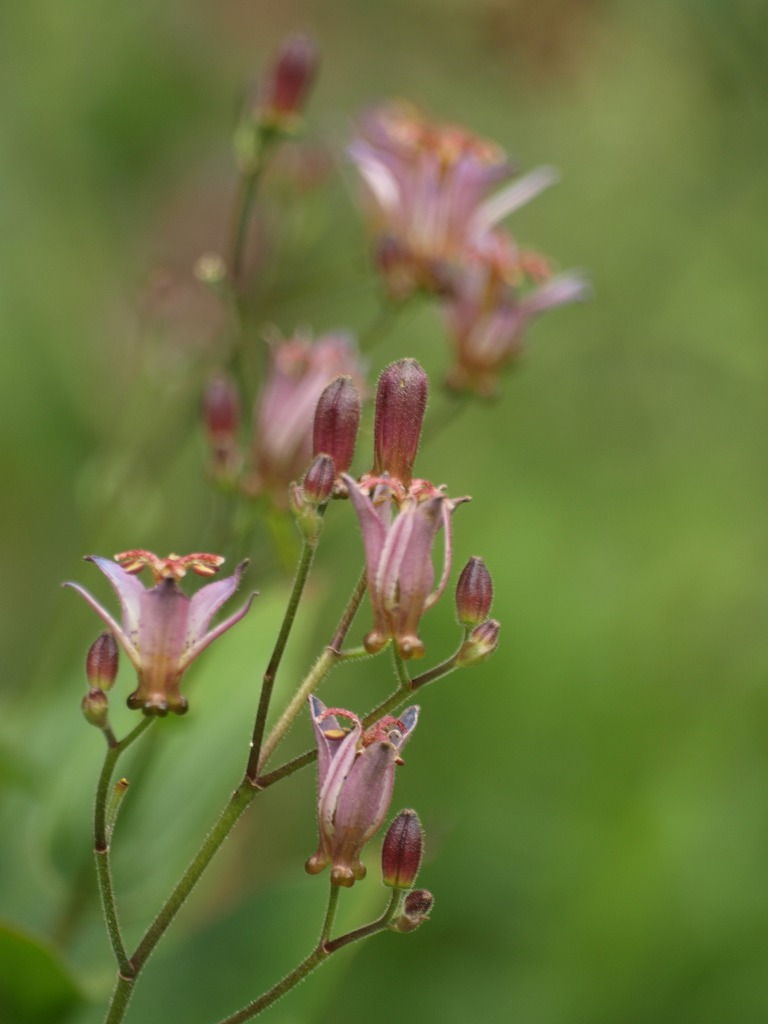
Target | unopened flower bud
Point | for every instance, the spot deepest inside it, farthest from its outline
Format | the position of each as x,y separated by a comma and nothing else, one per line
289,80
402,850
318,481
474,593
95,707
415,910
480,644
401,400
337,418
221,416
101,662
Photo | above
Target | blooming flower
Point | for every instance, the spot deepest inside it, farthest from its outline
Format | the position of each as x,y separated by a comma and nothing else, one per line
428,186
398,556
498,293
356,774
300,371
163,630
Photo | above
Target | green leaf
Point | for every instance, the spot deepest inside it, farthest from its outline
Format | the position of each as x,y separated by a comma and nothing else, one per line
35,987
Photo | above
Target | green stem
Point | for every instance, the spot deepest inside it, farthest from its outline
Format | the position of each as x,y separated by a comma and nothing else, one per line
349,613
126,979
438,672
120,999
369,929
325,948
241,215
267,686
317,673
392,703
301,761
240,799
101,839
311,681
318,954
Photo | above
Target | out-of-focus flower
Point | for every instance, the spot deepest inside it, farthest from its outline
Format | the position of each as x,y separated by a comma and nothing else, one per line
285,410
356,774
500,290
398,557
162,629
428,186
221,419
287,83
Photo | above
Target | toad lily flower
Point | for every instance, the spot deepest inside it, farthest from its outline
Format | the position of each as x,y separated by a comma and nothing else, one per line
356,775
300,371
163,630
500,290
428,187
398,555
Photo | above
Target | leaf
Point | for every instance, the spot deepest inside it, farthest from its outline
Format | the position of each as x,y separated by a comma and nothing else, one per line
35,987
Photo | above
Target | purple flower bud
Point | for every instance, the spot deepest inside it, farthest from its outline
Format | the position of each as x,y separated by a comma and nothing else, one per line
480,644
402,851
221,417
337,418
416,909
289,80
318,481
95,707
101,662
474,593
401,400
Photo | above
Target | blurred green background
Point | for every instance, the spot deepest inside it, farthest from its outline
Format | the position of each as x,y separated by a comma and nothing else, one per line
595,796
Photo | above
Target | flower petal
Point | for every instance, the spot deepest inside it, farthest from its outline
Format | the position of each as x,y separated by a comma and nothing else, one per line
372,526
561,290
192,651
322,724
118,630
207,601
128,588
511,198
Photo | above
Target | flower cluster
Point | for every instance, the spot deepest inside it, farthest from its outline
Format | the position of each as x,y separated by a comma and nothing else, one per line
437,195
436,225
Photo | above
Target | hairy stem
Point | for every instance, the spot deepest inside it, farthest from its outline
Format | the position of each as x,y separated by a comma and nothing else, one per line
325,948
369,929
102,828
330,656
268,682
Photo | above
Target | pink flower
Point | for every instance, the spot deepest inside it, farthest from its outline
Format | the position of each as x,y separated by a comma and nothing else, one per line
162,629
500,290
356,775
428,186
285,410
398,556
